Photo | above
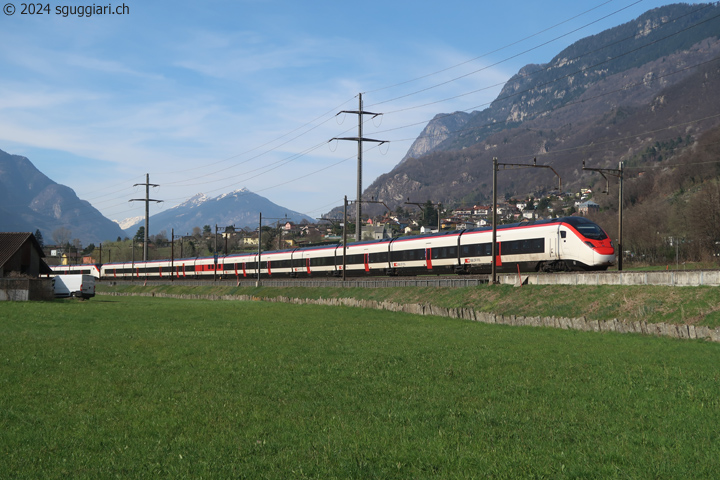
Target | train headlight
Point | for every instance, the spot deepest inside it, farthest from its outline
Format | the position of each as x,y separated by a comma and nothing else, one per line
589,244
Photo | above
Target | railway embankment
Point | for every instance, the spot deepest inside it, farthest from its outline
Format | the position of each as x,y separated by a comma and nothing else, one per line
688,313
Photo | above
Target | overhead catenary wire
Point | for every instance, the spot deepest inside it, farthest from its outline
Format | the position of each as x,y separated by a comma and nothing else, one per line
179,183
501,61
565,105
265,151
225,187
204,166
549,82
616,140
422,77
531,74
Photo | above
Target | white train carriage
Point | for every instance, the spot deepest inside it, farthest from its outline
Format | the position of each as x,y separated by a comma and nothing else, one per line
583,245
183,268
569,243
435,253
524,246
365,258
317,261
82,269
276,263
120,271
240,266
209,267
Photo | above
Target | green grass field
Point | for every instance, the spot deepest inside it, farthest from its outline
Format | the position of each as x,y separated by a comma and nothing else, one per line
159,388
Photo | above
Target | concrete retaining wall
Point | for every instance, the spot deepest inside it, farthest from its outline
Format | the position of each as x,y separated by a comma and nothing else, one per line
24,289
614,325
692,278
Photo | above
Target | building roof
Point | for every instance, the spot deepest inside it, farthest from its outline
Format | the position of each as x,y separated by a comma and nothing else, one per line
10,243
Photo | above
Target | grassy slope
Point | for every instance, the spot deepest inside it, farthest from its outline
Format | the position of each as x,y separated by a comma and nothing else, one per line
147,387
691,305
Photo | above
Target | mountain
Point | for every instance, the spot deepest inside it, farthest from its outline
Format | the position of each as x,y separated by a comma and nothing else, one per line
436,132
30,201
240,208
606,98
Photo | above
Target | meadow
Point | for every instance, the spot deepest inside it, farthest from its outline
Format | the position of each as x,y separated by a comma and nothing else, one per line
139,387
652,304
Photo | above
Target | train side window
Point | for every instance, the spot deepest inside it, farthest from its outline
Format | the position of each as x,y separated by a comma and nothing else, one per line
563,234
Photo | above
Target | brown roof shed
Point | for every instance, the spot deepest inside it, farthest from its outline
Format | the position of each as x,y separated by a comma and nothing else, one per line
20,253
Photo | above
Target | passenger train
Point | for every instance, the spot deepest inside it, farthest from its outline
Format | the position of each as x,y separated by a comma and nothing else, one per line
560,244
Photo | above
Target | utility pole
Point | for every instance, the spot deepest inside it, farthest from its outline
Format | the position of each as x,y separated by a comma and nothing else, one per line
619,174
344,265
147,201
279,232
257,284
493,250
215,256
360,112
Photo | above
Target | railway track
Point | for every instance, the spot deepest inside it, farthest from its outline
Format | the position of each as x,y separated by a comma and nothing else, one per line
355,282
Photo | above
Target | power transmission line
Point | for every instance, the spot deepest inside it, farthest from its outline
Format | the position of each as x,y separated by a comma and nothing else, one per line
359,139
147,201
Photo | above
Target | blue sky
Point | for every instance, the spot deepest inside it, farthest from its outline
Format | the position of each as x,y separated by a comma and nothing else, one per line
219,95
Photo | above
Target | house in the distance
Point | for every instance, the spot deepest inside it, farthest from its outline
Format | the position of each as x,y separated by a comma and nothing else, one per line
587,207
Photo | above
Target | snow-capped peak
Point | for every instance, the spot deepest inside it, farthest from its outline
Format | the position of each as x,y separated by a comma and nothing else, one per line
129,222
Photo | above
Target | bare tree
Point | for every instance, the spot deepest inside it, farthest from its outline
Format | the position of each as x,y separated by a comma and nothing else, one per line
703,215
61,236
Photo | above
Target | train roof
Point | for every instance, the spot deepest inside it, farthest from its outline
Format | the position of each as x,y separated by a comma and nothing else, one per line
75,265
430,235
321,247
574,221
367,242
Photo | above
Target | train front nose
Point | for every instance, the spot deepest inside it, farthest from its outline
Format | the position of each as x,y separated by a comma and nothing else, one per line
604,253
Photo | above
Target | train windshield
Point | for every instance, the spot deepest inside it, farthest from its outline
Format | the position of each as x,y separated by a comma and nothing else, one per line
592,231
587,228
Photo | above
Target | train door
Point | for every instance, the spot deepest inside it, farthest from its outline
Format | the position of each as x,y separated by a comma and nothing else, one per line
366,259
428,255
567,247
